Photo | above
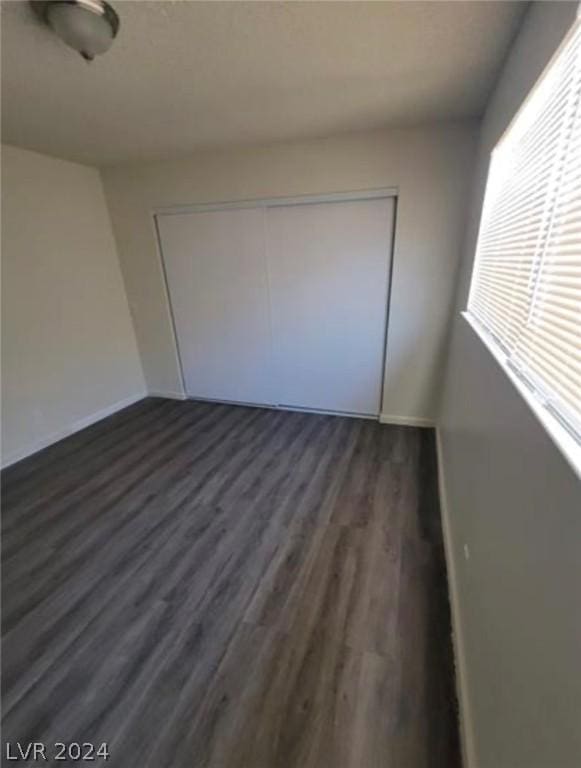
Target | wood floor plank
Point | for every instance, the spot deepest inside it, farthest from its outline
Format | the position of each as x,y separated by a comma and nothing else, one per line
205,585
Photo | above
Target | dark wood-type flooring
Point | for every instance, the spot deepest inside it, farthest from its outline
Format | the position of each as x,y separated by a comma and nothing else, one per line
203,585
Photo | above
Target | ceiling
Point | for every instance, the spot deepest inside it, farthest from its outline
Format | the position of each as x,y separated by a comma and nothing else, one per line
184,75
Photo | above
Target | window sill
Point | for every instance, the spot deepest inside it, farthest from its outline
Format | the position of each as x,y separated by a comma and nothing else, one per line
565,442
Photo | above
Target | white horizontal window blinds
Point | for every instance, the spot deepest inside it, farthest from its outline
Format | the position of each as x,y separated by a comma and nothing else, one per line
526,285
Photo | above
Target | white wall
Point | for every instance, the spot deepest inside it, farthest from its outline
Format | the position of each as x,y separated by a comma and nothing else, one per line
431,167
515,502
69,353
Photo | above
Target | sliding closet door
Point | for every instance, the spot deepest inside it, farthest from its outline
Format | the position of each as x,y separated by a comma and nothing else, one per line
329,273
216,273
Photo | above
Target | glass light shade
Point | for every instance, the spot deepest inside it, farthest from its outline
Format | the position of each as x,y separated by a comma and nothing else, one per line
88,32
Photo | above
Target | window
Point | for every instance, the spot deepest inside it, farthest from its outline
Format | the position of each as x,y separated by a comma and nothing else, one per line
526,284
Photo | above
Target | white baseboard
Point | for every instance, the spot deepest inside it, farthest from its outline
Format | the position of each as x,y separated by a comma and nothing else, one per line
466,723
87,421
168,395
76,426
406,421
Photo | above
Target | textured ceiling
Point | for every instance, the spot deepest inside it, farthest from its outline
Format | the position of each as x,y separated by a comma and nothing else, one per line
189,75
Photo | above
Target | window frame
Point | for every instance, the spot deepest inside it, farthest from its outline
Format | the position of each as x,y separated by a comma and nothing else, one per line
562,438
566,433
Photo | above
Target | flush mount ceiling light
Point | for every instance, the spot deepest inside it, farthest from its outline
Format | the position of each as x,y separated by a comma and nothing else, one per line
88,26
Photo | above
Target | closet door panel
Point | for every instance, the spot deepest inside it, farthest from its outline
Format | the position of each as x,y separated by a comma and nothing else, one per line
216,273
328,272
